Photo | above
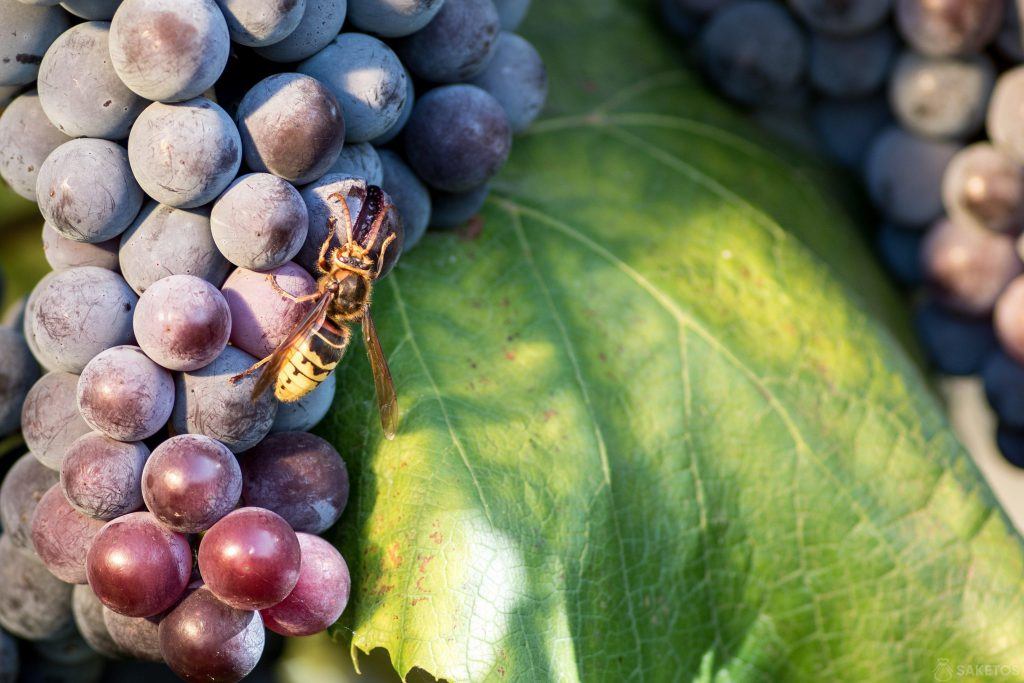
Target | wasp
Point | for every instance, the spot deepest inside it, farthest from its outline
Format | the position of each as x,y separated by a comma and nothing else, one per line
344,292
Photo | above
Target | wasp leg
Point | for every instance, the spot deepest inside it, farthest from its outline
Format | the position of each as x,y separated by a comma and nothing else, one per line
251,371
332,227
384,250
288,295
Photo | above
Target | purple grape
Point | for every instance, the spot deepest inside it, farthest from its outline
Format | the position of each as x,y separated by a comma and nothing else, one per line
260,223
941,97
34,604
28,31
308,411
1009,319
293,126
88,613
1004,113
208,403
50,421
967,267
169,50
456,45
300,477
411,196
956,344
79,89
452,209
263,22
900,250
392,18
18,372
26,138
841,18
62,536
513,12
137,567
167,241
191,482
359,160
86,190
948,27
261,318
851,67
23,487
184,154
846,128
367,78
125,395
458,138
136,637
182,322
250,559
319,597
984,187
320,23
204,639
102,478
63,253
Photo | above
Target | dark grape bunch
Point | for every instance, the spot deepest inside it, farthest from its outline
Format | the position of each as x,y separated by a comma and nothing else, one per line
182,152
924,99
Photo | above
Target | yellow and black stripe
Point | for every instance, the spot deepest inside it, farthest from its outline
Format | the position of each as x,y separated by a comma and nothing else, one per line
309,364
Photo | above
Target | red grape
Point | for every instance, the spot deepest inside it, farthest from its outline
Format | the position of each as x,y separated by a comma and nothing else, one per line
102,477
62,536
319,597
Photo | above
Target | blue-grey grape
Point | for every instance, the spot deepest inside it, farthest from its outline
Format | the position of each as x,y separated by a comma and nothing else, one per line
1009,319
948,27
135,637
207,152
1010,442
367,78
78,313
260,222
208,403
50,421
456,45
166,241
263,22
62,536
904,175
92,10
411,196
9,658
841,18
182,322
1009,41
101,477
28,31
169,50
956,344
79,89
452,209
34,604
900,251
88,612
984,187
18,372
125,395
293,126
941,97
23,486
1003,376
392,18
86,190
512,12
308,411
63,253
320,23
359,160
849,67
1004,113
26,138
398,126
846,128
517,78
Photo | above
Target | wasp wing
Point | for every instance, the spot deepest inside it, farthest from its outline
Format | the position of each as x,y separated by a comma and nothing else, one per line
387,400
302,334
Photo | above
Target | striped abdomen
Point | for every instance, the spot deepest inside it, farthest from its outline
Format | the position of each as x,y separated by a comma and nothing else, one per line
309,364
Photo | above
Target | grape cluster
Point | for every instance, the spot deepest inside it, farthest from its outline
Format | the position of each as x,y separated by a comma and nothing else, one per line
924,99
183,154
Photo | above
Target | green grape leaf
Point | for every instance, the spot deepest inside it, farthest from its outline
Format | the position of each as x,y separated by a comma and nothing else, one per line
657,422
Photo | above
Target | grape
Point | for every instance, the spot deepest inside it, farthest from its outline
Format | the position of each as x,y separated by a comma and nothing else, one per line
88,613
320,23
68,650
900,250
1005,109
319,597
1003,377
321,209
309,410
138,568
850,67
458,138
250,559
261,318
184,154
263,22
102,478
28,32
23,487
64,253
209,403
26,138
78,313
18,372
86,190
452,209
166,241
681,21
517,78
941,97
968,267
396,128
292,126
904,175
410,195
204,639
191,482
260,223
847,127
136,637
456,45
1009,319
300,477
125,395
948,27
359,160
368,80
79,90
62,536
9,663
841,18
956,344
169,50
50,421
984,188
182,322
92,10
753,50
1009,41
392,18
34,604
512,12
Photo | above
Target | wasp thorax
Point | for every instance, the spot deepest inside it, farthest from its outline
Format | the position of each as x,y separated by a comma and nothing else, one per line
351,294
